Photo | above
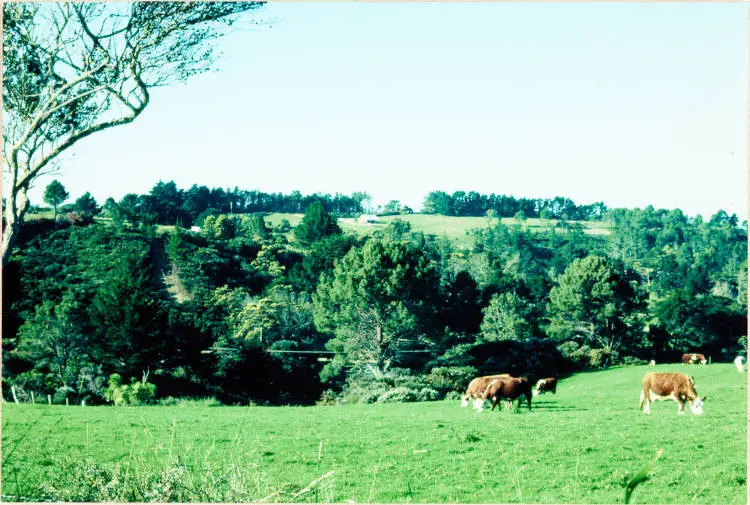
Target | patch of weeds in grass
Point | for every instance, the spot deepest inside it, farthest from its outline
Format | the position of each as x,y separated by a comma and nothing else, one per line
641,476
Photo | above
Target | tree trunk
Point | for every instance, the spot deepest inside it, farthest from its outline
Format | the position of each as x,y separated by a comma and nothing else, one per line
16,206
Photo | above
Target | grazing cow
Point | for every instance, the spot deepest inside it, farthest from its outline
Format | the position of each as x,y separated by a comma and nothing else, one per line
508,388
652,363
476,390
739,362
544,385
675,386
693,358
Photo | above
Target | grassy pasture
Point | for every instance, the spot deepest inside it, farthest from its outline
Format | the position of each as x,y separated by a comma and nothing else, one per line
577,446
454,228
457,229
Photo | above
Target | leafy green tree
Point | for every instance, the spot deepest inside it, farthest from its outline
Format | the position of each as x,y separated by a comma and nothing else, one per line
87,203
391,208
319,259
166,202
56,342
506,318
55,194
591,303
127,310
255,227
377,300
316,224
461,311
690,322
74,69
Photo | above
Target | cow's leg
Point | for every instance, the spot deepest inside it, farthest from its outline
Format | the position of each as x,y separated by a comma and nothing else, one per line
681,407
478,404
645,402
464,401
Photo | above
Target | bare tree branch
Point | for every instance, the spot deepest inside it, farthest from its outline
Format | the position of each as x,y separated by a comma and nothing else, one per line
75,69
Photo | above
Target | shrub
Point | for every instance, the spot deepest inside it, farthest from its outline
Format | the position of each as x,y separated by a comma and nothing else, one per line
62,393
602,357
398,394
632,361
451,378
137,393
79,218
402,377
453,396
578,354
428,395
328,397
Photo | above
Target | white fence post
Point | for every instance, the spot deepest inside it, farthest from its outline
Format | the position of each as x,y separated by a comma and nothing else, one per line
13,390
83,403
49,399
33,400
66,402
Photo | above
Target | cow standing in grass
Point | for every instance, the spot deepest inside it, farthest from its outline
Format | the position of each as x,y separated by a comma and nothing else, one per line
476,390
544,385
507,388
693,359
670,386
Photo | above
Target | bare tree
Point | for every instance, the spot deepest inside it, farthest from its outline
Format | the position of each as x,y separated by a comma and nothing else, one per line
73,69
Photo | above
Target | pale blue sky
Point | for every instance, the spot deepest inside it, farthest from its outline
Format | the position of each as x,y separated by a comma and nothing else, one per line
627,103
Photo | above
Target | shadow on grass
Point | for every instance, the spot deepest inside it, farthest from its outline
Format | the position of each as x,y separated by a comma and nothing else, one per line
555,406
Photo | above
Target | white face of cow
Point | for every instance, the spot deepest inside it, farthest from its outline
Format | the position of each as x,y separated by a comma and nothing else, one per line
697,406
539,384
464,401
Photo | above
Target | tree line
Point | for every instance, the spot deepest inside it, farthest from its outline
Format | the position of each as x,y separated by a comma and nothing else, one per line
244,311
461,203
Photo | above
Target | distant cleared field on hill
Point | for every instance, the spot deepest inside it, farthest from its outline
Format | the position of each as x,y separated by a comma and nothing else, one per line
454,228
457,229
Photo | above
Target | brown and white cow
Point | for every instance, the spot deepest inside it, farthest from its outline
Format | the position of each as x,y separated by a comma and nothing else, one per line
739,362
544,385
476,390
670,386
693,358
507,388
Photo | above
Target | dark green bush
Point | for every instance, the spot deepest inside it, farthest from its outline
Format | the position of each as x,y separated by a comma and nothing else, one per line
631,361
451,378
398,394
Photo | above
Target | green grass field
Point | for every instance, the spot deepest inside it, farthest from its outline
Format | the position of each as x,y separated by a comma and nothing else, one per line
457,229
577,446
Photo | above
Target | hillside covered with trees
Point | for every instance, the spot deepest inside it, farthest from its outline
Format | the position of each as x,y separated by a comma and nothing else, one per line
102,304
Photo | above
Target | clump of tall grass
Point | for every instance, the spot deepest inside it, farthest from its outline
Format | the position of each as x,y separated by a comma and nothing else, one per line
89,481
641,476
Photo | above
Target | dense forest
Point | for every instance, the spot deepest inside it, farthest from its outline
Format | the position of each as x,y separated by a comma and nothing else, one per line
102,304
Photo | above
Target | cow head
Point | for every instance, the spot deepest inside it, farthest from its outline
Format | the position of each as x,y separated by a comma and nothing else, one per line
539,384
464,401
697,405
